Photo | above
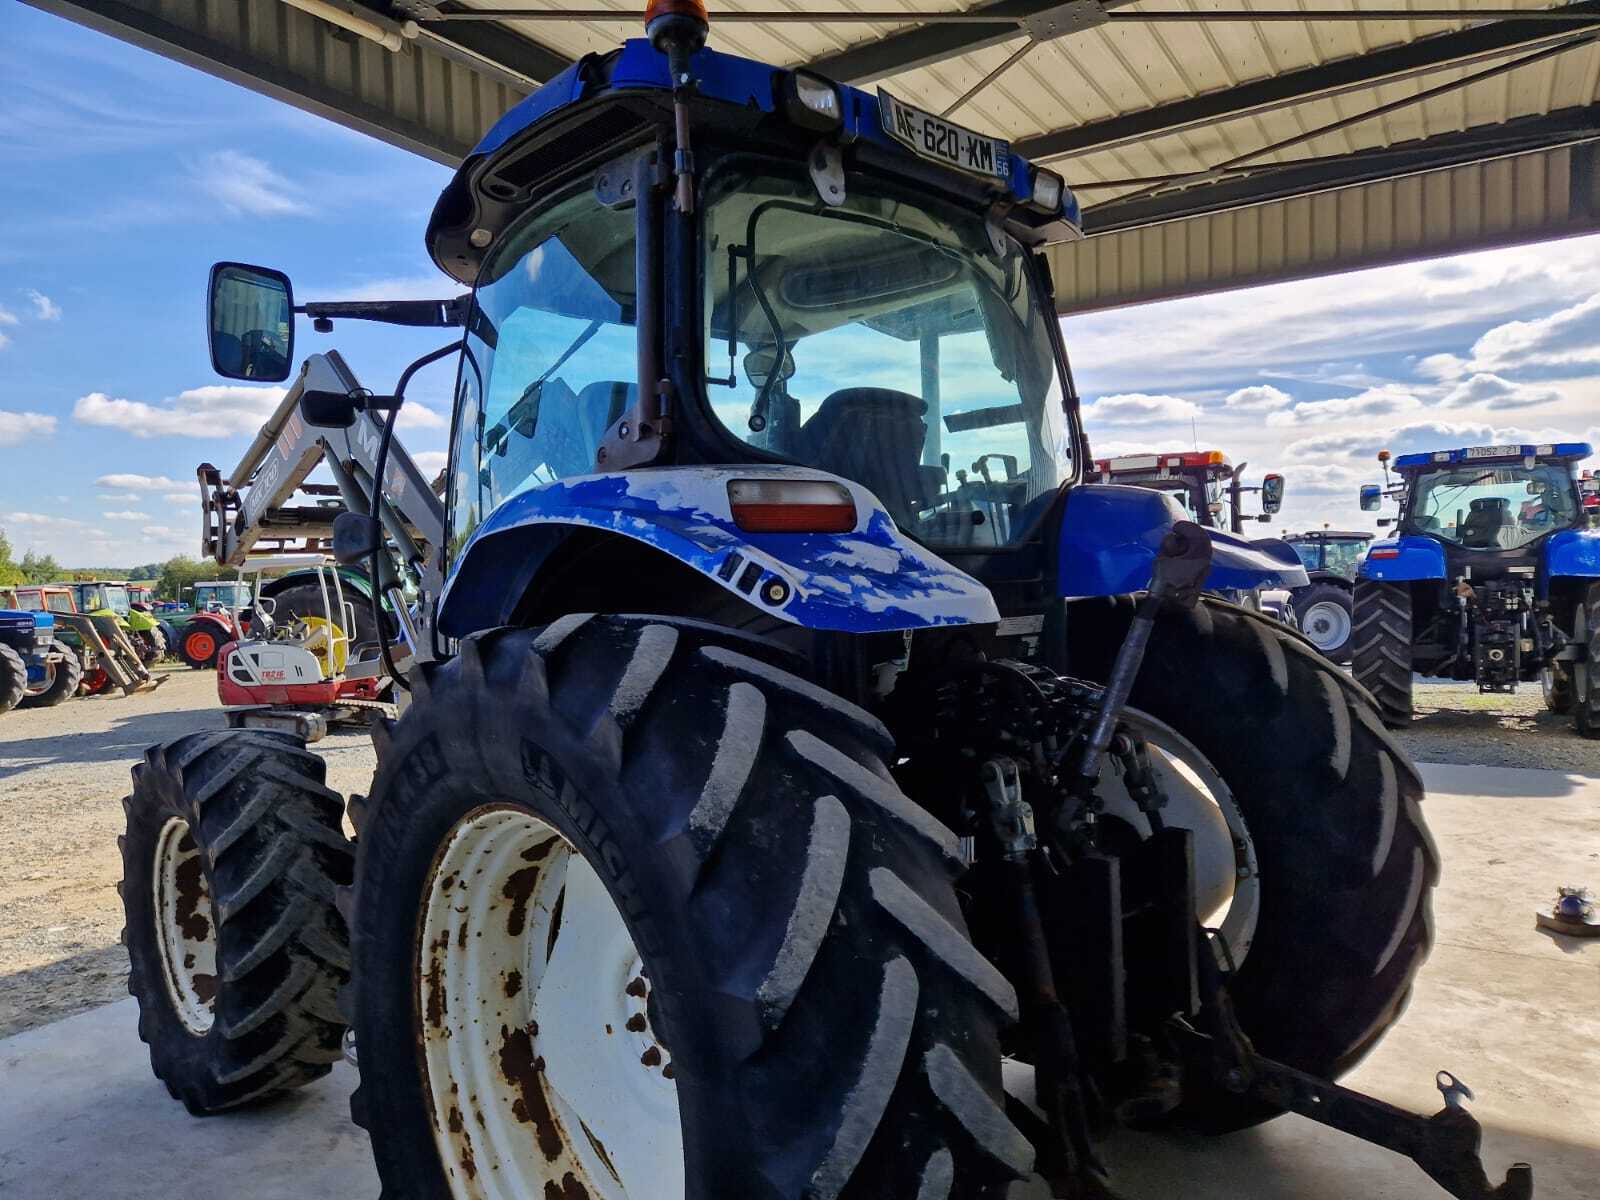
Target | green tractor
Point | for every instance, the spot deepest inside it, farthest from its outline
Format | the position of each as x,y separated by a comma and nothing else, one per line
111,598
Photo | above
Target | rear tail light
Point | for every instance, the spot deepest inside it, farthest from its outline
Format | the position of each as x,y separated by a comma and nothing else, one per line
1390,553
791,506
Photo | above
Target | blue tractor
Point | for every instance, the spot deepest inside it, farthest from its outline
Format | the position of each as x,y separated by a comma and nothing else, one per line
36,670
793,737
1492,574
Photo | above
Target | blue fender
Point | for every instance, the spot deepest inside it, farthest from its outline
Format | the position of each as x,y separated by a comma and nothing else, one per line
1110,534
872,579
1573,553
1399,560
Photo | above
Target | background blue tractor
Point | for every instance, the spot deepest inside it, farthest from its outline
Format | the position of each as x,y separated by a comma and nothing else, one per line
36,670
1492,574
770,773
1325,606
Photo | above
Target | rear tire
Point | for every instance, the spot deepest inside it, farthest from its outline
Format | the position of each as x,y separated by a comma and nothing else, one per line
1586,671
61,682
151,645
198,645
13,679
1324,615
233,854
1333,808
1381,647
831,1030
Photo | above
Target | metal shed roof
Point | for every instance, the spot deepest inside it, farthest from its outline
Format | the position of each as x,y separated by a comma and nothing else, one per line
1157,111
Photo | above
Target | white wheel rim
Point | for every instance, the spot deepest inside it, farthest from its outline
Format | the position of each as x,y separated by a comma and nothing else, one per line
1327,625
1227,878
186,932
39,689
541,1062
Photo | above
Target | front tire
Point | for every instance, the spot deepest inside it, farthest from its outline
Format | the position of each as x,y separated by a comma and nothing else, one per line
1332,804
1381,647
1324,613
1586,671
804,970
61,680
198,645
233,853
13,679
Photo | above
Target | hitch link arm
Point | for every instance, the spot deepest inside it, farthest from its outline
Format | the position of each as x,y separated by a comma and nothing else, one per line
1445,1145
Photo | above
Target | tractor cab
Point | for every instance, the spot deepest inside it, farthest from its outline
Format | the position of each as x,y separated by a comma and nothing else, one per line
1330,552
221,595
101,596
44,599
1205,485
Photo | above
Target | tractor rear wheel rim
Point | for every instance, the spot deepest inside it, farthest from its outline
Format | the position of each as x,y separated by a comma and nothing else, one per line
201,646
1227,877
185,927
1327,624
544,1073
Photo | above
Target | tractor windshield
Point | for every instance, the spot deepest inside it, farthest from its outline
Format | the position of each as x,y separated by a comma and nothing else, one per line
887,340
1499,507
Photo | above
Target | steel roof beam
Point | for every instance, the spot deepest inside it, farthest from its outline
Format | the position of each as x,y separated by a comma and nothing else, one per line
1280,182
1458,48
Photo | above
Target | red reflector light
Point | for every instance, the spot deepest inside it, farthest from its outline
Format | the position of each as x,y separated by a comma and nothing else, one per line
1391,553
791,506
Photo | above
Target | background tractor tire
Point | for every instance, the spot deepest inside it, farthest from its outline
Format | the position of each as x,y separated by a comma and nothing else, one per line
13,679
233,853
305,600
1586,671
1332,806
1324,615
151,645
198,644
832,1029
61,680
1381,647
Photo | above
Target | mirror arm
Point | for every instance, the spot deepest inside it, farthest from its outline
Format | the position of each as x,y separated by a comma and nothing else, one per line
419,313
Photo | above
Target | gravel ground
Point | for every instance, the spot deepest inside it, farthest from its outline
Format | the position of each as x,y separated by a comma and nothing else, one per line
1456,724
63,773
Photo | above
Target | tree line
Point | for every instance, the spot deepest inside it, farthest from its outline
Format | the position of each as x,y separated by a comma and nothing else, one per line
170,579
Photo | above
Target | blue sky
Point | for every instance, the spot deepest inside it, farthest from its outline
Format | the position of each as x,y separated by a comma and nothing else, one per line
123,176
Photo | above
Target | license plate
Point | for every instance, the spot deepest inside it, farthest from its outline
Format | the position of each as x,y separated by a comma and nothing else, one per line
934,138
1494,451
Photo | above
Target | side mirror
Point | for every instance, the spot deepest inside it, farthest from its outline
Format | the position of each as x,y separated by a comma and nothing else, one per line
328,410
250,329
1271,493
1371,498
355,536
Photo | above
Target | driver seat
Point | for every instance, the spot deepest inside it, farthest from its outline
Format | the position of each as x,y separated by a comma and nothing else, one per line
874,437
1489,524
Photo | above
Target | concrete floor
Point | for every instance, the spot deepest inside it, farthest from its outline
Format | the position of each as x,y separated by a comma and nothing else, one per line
1513,1012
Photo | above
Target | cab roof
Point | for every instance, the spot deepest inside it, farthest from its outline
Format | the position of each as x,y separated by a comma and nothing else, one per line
1558,451
752,88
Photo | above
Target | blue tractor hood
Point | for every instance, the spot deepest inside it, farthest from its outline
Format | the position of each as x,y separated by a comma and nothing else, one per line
1110,534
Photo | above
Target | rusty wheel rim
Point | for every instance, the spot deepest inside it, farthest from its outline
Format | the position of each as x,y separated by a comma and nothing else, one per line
544,1072
185,927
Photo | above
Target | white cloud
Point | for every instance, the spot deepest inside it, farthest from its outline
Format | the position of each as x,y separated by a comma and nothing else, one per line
163,532
217,410
1259,398
192,497
431,462
246,186
139,483
1139,408
44,308
7,317
1568,337
126,514
117,497
1388,400
17,427
416,415
40,521
1495,391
